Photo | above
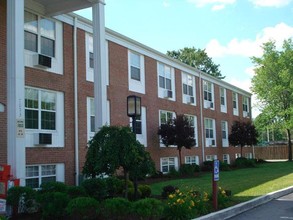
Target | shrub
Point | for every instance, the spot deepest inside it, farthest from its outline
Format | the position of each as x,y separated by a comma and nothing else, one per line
114,186
131,196
53,204
207,166
188,169
173,173
145,190
22,195
53,187
167,190
76,191
148,208
83,208
224,166
242,162
224,198
95,188
116,207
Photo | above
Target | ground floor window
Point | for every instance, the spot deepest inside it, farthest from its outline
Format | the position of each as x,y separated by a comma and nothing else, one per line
211,157
168,163
237,155
226,158
38,174
248,155
192,160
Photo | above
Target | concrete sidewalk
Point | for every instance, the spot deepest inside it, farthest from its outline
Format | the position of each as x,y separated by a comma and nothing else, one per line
242,207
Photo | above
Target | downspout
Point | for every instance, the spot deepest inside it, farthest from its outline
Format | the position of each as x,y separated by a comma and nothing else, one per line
75,103
201,117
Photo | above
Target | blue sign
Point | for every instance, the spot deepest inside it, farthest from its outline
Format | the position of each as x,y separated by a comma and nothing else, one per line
216,170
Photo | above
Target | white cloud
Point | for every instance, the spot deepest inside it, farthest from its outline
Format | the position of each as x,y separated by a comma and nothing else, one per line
216,4
248,47
250,71
271,3
166,4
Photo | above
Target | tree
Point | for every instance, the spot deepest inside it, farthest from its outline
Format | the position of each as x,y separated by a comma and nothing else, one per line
243,133
177,131
114,147
273,84
197,58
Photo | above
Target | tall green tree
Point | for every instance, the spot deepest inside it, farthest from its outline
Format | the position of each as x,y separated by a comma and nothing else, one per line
273,84
114,147
178,131
242,133
197,58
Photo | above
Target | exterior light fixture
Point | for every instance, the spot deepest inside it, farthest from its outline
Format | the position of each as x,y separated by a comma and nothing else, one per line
133,109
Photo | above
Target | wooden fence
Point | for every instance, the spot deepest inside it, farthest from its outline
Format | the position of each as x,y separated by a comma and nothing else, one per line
271,152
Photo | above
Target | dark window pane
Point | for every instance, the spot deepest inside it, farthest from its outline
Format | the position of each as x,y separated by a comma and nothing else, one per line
47,47
190,90
205,94
185,89
31,119
207,133
92,123
91,57
210,96
135,73
48,179
138,129
48,120
30,41
33,183
161,82
168,84
234,104
211,134
224,134
222,101
165,169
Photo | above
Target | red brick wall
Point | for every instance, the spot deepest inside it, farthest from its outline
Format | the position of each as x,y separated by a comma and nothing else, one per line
3,115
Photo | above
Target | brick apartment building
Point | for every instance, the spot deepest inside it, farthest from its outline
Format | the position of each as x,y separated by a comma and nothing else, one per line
48,85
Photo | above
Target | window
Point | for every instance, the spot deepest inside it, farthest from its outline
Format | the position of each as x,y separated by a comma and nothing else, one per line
36,175
208,91
136,75
223,99
224,126
168,163
39,34
226,158
209,125
235,103
193,123
166,116
166,88
138,125
211,157
90,117
237,155
192,160
91,59
40,109
188,87
245,106
248,155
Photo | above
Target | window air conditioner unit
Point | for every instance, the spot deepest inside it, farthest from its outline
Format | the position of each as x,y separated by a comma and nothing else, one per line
42,61
168,94
42,139
190,100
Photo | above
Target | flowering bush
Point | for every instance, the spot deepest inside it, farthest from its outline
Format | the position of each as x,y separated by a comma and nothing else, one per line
223,197
186,205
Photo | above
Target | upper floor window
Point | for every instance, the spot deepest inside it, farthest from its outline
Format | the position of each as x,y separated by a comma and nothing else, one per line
188,87
136,75
166,116
210,132
223,99
91,59
40,109
39,34
91,117
235,103
208,93
224,126
193,123
245,106
166,81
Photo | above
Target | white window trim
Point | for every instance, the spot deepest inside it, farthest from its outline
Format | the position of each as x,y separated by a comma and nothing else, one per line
142,138
186,98
57,61
208,141
246,114
60,172
136,85
58,133
209,104
225,142
228,158
173,116
89,49
175,163
224,107
235,110
162,91
211,157
195,129
194,157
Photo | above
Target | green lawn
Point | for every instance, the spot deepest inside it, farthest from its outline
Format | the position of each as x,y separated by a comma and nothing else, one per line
245,184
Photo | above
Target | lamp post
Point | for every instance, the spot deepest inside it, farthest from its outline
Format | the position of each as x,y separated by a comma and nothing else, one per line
133,109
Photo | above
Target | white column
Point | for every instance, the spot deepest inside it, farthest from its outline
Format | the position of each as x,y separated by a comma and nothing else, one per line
15,89
100,83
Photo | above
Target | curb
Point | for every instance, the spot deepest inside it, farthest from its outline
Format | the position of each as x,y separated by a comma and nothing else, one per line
242,207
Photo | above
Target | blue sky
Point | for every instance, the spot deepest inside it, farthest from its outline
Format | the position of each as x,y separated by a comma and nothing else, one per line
231,31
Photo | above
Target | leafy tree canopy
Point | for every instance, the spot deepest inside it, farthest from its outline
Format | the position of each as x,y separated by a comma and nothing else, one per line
197,58
273,84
